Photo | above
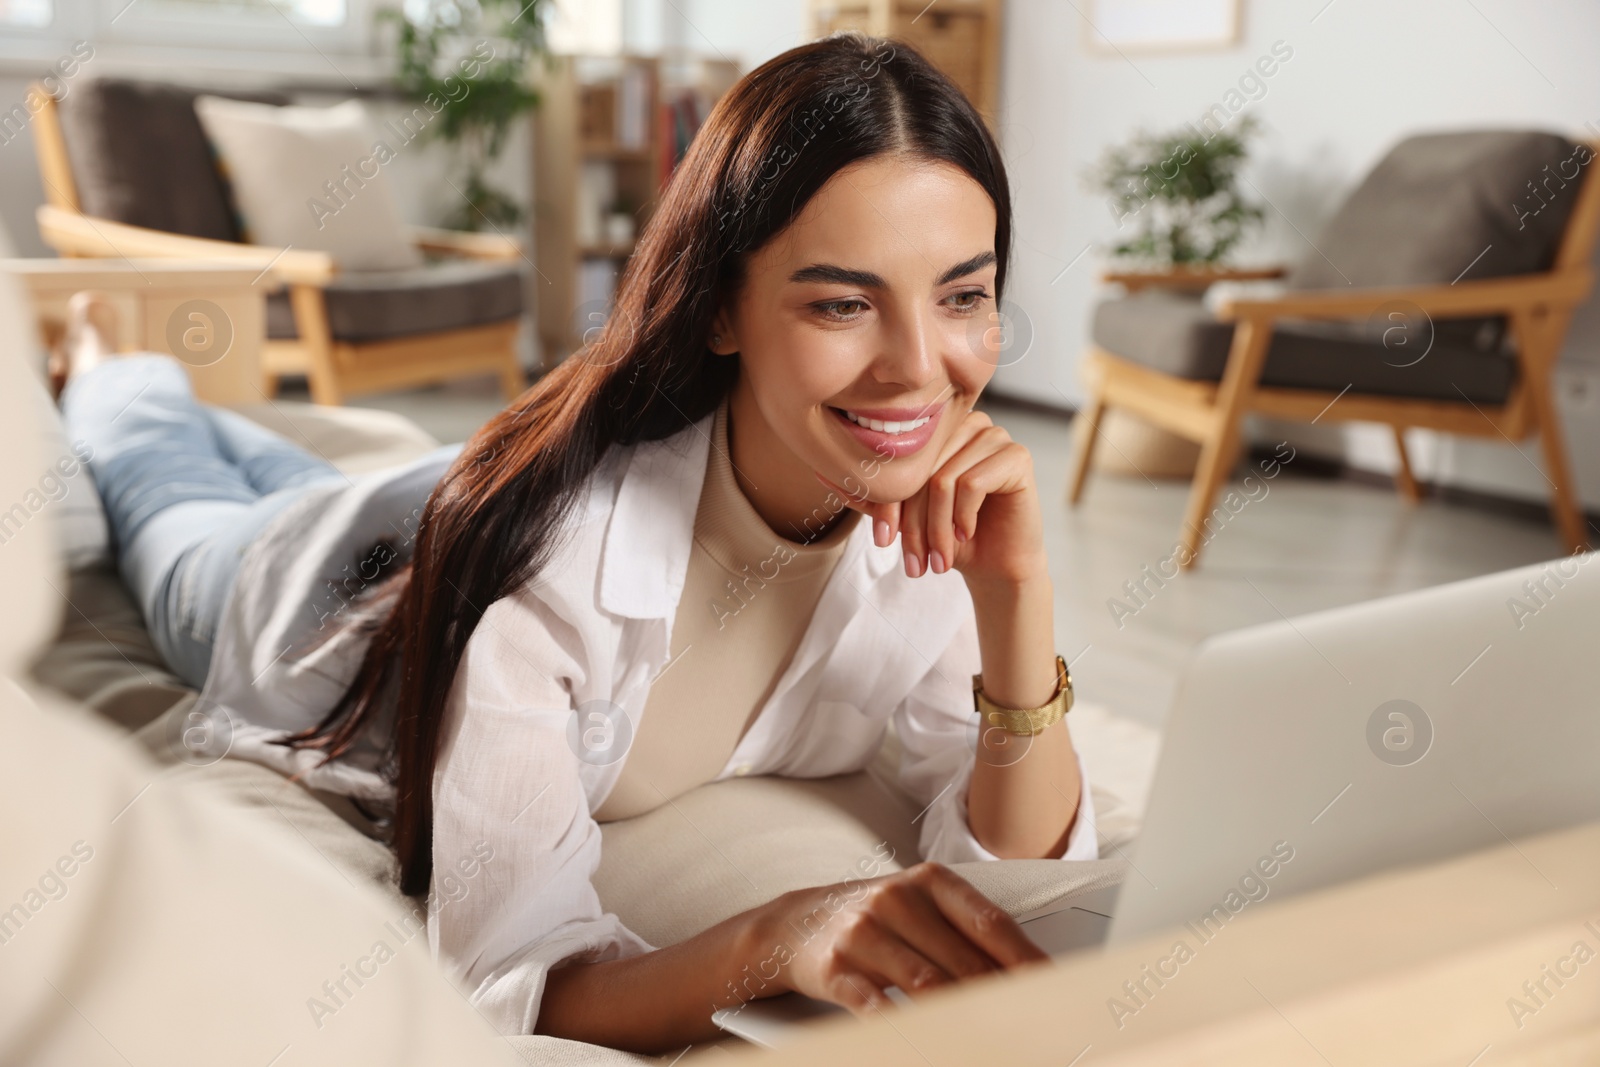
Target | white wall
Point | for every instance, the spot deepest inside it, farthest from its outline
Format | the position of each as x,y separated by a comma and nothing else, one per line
1363,74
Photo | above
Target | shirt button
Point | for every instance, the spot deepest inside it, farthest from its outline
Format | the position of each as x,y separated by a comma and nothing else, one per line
742,770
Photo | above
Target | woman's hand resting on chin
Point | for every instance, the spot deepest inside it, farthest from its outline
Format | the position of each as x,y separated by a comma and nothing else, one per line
917,929
978,513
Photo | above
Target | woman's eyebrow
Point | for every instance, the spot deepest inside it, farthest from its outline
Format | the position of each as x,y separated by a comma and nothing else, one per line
828,272
966,266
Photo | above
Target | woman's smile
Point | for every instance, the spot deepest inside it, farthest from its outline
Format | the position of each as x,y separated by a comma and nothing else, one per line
891,432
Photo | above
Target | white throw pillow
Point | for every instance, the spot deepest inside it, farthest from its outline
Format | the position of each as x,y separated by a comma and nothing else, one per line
310,178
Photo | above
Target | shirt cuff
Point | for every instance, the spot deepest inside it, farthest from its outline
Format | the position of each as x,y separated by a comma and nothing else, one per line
510,996
948,837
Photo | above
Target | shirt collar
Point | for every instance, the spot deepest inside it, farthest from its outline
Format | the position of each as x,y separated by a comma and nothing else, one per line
651,531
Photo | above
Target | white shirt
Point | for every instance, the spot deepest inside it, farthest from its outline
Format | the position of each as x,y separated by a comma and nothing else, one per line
596,627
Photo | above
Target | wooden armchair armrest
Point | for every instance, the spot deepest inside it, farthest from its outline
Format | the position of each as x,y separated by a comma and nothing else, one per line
489,246
1490,296
1190,278
72,234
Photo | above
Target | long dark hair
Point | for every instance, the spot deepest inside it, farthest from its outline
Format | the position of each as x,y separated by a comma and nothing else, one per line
492,523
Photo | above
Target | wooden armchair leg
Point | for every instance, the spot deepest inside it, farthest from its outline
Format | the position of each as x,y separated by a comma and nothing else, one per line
311,323
1405,479
1569,521
1217,457
1083,447
1220,448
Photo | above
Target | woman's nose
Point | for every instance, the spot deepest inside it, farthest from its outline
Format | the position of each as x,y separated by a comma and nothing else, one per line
912,354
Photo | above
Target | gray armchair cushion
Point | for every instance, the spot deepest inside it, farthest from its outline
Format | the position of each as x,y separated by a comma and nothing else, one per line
139,156
1176,334
1437,201
1441,203
444,295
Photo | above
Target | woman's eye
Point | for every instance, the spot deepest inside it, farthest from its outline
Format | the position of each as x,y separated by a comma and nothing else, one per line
841,310
968,301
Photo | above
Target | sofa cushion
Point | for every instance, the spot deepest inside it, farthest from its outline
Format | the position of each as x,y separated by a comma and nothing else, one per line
139,156
1176,334
441,295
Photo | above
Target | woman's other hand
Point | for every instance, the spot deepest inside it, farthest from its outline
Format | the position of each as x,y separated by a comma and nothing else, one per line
917,929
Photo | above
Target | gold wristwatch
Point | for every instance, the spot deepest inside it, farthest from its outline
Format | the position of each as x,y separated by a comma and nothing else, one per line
1026,721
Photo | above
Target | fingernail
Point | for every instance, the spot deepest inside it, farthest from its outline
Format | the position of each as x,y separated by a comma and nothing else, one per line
936,561
913,568
880,532
961,535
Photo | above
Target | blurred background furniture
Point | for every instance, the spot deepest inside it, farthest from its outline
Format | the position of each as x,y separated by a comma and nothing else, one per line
209,315
1380,322
608,133
960,37
128,172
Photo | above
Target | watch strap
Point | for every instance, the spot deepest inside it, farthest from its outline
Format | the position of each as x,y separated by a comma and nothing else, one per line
1026,721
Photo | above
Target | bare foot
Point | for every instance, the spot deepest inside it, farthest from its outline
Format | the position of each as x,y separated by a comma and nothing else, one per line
92,336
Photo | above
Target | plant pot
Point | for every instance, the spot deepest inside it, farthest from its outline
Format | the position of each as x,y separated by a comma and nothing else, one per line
1132,447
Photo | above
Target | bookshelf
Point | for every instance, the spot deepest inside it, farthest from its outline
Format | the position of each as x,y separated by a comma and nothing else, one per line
960,37
607,134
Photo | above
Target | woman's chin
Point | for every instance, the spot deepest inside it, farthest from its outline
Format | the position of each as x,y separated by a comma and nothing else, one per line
880,489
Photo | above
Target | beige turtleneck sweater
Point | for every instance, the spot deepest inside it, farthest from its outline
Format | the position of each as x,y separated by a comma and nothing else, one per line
747,600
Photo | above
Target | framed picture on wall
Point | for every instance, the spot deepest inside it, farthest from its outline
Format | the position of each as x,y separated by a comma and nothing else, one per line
1161,25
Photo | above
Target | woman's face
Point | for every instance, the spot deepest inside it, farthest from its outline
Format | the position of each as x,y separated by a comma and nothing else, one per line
877,301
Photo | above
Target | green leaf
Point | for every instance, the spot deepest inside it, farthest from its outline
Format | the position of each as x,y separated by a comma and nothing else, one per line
469,63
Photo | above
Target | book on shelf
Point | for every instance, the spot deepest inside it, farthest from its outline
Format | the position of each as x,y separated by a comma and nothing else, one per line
683,111
614,103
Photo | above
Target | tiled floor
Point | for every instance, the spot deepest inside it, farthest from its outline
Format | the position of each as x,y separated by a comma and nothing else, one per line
1303,545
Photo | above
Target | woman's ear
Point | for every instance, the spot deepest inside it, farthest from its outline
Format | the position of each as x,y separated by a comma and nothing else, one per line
722,341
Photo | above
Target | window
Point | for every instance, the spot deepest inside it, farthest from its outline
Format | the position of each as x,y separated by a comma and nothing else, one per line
332,27
32,13
328,25
308,12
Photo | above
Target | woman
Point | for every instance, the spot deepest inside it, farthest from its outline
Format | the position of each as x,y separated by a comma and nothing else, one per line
672,561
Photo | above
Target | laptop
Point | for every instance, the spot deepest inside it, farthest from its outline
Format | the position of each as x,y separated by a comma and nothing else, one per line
1315,750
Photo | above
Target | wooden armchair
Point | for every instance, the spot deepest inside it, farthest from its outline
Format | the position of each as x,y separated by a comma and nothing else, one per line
1397,254
153,191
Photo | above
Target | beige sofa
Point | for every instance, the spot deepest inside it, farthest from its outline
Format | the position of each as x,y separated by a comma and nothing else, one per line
717,851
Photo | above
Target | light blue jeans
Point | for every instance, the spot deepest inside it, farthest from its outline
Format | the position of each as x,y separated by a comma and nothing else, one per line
186,487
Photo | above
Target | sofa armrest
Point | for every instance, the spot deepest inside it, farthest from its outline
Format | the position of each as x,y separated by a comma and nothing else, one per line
72,234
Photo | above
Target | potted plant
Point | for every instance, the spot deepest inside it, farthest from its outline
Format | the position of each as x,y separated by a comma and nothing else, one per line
1179,192
469,63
